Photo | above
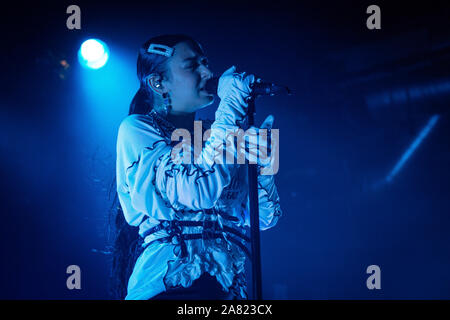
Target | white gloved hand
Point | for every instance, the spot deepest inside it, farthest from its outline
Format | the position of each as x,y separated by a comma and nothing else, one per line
233,90
258,149
232,83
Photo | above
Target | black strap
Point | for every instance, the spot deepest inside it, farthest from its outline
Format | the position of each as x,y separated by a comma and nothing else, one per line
175,239
168,225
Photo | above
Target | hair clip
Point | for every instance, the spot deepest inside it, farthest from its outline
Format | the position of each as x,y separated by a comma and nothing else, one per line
160,49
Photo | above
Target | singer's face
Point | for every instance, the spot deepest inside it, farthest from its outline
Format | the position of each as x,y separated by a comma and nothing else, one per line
188,68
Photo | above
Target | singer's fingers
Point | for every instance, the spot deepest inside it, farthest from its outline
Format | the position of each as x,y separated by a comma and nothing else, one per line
230,70
268,122
262,159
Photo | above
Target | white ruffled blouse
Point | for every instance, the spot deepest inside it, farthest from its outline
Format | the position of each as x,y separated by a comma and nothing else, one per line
153,190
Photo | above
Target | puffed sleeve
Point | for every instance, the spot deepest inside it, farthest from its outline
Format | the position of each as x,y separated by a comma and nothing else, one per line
149,176
268,202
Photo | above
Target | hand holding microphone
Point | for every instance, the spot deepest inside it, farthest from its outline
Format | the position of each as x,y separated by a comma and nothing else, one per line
232,83
258,87
233,89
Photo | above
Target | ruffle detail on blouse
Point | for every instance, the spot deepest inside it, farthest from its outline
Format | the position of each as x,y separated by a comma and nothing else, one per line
219,258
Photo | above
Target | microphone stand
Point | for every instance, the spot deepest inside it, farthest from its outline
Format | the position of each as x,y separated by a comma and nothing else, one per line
254,213
253,192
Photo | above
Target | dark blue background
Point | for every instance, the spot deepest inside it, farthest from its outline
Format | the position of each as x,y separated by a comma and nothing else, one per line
58,137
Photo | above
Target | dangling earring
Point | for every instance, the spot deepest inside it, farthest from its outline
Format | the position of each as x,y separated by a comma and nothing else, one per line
167,107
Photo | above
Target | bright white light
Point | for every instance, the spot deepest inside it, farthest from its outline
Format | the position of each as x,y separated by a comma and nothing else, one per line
93,54
92,50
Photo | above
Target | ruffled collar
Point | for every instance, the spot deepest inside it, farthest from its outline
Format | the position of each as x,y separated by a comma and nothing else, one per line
164,127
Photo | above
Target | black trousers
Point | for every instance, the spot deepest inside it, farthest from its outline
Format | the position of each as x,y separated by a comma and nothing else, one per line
204,288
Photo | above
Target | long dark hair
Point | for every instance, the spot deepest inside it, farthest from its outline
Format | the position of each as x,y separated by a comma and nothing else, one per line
127,243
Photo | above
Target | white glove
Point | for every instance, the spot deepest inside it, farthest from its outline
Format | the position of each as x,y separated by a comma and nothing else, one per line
233,90
258,148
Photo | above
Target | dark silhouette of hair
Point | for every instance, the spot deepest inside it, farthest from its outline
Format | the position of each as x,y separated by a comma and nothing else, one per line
127,243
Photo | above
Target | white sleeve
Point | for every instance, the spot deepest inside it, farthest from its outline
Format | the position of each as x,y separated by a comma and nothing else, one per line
147,174
268,203
151,171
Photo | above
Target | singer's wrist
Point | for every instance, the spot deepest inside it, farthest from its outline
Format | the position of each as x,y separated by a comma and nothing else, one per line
236,106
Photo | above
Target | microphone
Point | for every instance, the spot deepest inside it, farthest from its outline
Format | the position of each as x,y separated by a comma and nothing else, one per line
259,88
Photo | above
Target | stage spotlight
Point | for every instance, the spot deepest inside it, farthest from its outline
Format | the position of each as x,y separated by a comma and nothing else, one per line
93,54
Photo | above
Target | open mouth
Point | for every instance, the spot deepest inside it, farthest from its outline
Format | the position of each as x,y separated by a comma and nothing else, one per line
203,86
203,89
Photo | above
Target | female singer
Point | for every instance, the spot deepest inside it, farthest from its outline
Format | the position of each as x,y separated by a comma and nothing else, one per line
192,218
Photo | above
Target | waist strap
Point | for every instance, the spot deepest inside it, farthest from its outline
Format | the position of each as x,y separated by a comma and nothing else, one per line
211,230
173,226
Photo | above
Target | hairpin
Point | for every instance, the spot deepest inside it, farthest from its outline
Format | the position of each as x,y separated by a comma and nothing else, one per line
160,49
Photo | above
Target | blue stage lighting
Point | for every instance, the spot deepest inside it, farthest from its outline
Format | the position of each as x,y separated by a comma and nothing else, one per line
422,135
93,54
